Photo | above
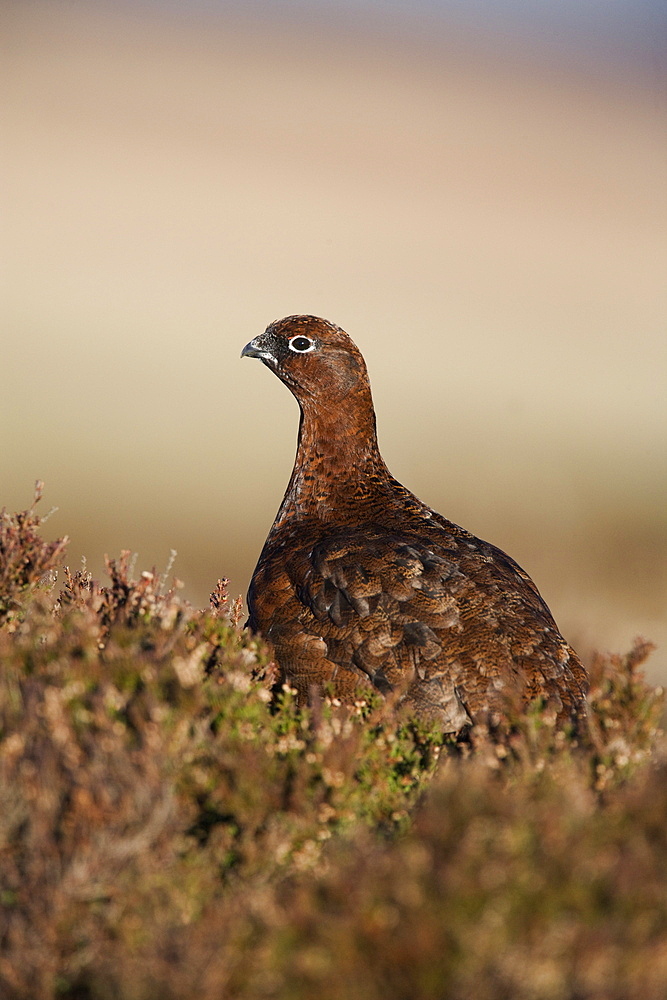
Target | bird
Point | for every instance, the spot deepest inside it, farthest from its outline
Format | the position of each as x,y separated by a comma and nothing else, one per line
360,586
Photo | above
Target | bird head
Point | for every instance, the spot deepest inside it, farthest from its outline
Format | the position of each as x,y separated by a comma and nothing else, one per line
314,358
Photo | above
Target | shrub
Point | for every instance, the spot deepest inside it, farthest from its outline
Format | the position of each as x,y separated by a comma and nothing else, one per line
25,559
173,825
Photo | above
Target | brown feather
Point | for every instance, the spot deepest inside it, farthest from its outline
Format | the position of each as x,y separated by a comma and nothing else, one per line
361,583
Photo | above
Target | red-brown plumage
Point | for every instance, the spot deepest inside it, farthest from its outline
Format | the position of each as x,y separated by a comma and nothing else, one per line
360,582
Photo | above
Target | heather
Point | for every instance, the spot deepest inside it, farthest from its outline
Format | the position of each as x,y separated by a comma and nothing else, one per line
173,825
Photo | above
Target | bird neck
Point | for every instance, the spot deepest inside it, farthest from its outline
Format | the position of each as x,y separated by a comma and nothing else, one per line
337,455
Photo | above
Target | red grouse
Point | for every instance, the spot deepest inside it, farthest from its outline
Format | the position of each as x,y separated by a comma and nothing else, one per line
360,582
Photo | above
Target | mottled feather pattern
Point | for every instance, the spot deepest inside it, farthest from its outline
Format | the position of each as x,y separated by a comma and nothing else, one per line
360,583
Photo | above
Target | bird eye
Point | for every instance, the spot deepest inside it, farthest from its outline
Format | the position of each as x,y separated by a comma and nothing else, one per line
301,344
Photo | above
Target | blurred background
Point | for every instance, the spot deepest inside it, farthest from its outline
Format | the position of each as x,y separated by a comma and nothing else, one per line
475,192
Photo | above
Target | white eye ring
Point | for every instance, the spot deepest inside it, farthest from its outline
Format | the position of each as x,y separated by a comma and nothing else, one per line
293,341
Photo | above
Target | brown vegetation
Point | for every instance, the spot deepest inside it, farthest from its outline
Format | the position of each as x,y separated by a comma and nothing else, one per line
171,825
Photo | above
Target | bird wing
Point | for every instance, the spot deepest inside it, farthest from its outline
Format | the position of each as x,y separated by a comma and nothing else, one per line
438,623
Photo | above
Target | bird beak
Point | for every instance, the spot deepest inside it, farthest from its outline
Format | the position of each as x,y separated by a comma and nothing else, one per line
257,349
251,351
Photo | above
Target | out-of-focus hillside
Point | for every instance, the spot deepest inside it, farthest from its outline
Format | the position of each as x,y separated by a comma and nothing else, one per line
490,233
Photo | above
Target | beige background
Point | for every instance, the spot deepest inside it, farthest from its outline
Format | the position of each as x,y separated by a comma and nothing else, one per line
489,228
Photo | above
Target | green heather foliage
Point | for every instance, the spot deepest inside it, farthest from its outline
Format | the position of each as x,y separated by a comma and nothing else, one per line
172,825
